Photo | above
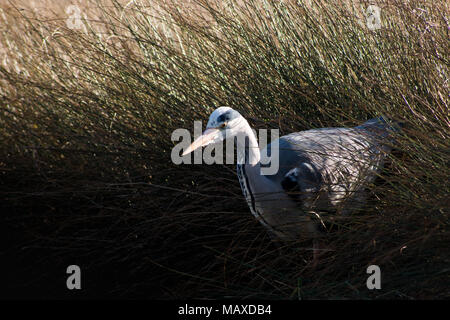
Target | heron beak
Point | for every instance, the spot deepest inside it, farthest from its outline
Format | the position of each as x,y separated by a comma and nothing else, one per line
206,138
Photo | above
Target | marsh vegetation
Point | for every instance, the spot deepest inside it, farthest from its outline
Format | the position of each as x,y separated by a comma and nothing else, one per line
88,105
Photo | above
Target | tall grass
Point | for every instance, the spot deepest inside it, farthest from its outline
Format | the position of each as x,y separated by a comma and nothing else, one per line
86,120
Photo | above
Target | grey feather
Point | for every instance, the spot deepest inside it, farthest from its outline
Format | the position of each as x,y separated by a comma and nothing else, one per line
320,169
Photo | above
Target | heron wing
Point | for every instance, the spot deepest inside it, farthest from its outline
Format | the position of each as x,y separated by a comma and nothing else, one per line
323,167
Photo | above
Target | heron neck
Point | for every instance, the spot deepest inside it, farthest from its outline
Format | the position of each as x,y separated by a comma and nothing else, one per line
247,146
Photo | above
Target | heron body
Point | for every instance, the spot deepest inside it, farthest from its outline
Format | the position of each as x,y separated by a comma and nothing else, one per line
319,170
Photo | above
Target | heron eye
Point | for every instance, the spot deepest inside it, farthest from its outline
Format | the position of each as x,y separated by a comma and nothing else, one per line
223,125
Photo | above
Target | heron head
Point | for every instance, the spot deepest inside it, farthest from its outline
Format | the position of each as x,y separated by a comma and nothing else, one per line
223,123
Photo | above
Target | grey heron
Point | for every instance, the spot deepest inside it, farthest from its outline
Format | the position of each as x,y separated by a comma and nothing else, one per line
319,170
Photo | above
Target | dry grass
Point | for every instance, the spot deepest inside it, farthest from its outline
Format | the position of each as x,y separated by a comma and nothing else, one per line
85,123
